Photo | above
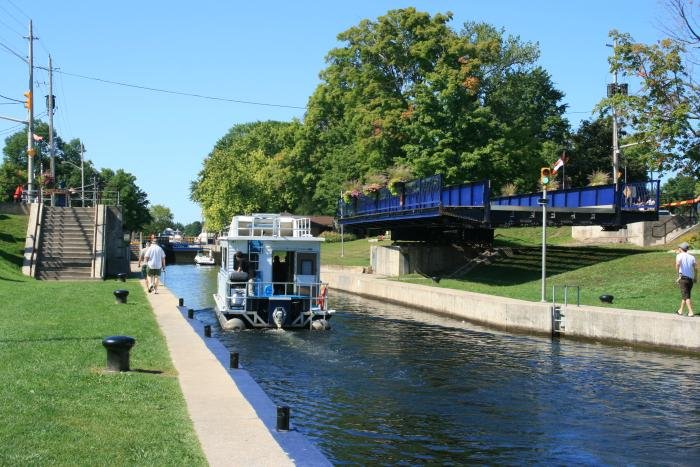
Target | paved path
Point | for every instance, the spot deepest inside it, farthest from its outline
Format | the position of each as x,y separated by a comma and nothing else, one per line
230,431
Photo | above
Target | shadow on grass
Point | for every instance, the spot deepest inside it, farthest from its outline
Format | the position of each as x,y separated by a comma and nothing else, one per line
150,372
17,259
49,339
526,262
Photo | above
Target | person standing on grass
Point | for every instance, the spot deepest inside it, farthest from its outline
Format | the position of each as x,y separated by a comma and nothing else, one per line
687,275
143,265
155,257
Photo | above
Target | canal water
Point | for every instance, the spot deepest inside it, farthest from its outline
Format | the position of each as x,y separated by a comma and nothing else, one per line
390,385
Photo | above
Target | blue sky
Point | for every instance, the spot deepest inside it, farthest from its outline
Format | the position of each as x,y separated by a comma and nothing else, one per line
269,52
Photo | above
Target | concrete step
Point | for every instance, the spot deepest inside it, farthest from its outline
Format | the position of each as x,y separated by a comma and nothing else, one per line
62,275
66,249
52,264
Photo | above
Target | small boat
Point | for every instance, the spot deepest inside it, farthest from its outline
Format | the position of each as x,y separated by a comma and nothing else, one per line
270,275
205,258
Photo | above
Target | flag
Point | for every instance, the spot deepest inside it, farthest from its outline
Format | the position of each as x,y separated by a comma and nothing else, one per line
560,163
37,137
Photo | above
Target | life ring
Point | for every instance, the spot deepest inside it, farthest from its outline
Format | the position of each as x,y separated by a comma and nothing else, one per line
321,300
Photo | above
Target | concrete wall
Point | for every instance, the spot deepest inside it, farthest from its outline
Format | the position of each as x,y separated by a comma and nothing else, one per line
645,328
14,208
638,233
31,242
396,260
116,249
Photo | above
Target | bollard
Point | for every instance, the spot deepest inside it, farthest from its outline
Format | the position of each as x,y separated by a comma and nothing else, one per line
282,418
180,301
121,276
233,360
121,295
118,352
606,298
190,313
207,331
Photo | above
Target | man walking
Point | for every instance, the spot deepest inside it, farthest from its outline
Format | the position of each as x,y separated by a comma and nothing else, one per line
155,258
687,275
142,264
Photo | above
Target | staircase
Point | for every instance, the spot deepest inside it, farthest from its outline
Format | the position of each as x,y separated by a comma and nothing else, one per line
66,243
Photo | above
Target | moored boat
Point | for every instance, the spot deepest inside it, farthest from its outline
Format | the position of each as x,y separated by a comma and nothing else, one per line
270,275
205,258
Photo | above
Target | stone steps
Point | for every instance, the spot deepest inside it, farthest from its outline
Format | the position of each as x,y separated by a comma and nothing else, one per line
65,248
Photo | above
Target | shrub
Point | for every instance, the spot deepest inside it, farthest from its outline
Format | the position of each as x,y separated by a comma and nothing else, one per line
332,236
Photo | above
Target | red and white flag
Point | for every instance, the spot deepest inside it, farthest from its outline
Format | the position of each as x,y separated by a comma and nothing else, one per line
560,163
37,137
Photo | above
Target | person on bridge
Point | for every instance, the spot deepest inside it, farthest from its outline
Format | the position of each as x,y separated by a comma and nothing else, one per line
687,276
155,257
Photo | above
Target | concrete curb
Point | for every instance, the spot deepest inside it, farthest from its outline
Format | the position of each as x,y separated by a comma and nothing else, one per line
643,328
234,419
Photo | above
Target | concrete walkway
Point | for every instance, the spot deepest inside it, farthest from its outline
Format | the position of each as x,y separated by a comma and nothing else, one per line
228,427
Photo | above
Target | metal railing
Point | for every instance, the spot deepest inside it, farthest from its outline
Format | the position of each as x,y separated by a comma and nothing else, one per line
72,197
238,292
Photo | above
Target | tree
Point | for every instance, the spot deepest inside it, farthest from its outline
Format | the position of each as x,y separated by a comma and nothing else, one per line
663,115
249,170
192,229
408,89
133,200
679,188
161,219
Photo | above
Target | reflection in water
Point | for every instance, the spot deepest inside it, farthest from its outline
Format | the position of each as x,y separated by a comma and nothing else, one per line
390,385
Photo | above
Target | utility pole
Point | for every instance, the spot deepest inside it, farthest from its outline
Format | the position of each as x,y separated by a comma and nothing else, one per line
31,152
50,106
612,91
543,202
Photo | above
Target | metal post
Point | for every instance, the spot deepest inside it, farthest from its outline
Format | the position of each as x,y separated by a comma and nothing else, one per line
615,142
82,175
50,105
544,243
30,120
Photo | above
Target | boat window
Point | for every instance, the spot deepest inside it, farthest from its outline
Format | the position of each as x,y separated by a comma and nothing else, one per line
306,264
224,257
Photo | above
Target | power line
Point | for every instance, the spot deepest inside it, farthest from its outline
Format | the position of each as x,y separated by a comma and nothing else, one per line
14,53
11,99
179,93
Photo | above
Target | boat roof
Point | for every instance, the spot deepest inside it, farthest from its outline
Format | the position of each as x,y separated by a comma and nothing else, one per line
263,226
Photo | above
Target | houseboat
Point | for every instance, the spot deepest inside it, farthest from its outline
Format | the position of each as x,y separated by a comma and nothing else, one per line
270,275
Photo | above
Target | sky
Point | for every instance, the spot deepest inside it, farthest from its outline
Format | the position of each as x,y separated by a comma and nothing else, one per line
261,57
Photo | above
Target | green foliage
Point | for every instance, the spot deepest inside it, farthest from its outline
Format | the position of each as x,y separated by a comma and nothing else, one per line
664,113
161,218
133,200
598,178
192,229
679,188
251,169
333,237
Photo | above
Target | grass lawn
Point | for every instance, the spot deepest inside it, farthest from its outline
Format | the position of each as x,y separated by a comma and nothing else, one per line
59,406
638,278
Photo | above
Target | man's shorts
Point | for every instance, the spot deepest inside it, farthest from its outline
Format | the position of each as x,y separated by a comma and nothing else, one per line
686,285
154,272
144,271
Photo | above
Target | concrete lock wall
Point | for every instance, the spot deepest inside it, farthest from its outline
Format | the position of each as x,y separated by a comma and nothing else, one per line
397,260
646,328
116,249
638,233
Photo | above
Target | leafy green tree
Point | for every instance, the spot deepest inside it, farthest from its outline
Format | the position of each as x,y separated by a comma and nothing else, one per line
133,200
663,115
679,188
249,170
192,229
161,218
409,89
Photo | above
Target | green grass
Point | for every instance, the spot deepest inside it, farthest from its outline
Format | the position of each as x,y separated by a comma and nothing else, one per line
638,278
352,253
58,405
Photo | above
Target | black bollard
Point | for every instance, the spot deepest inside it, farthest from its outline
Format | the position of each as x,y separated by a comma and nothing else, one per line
118,352
190,313
181,301
282,418
121,276
233,360
606,298
121,295
207,331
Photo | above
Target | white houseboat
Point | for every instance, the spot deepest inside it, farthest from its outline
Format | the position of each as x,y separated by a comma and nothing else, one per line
269,276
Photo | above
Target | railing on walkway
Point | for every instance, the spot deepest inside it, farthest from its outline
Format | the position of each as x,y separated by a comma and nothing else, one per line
72,197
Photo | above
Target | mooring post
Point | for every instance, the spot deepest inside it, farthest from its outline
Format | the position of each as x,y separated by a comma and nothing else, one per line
118,348
207,330
282,418
180,301
233,360
121,295
190,313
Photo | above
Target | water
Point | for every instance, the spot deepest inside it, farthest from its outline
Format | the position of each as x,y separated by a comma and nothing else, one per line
388,385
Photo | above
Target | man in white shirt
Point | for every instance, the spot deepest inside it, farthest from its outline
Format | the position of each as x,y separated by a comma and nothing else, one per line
687,275
155,258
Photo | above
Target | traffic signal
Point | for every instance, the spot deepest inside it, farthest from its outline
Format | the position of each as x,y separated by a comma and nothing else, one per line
545,175
28,101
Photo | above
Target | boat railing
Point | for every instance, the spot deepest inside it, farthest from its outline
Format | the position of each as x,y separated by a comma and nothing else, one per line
239,291
270,225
